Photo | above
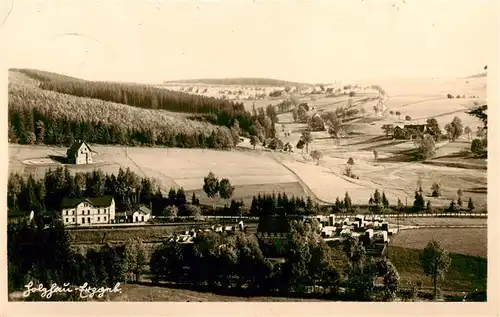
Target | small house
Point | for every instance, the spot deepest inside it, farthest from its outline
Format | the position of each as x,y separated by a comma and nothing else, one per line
20,216
399,132
142,214
79,153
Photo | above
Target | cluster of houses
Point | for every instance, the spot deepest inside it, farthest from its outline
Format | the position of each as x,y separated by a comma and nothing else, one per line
372,230
372,226
188,236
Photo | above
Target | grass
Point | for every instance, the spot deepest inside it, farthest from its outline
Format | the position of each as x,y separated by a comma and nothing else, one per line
468,251
466,273
438,221
466,241
145,293
250,172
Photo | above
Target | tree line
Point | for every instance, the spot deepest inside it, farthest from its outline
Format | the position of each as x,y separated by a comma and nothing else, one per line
281,204
127,188
236,263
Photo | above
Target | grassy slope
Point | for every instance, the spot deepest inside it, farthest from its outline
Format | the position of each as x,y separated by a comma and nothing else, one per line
466,273
144,293
468,241
467,248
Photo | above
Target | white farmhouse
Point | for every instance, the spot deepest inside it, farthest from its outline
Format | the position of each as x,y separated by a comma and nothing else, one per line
88,211
79,153
143,214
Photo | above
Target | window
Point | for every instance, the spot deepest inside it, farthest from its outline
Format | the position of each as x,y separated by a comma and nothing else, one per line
66,219
98,218
83,220
142,218
72,211
88,212
104,218
98,211
73,219
83,212
66,212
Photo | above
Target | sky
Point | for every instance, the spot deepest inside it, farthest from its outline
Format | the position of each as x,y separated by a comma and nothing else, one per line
306,41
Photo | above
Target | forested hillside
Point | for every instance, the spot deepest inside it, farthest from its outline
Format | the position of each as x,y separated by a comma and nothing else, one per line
47,117
146,96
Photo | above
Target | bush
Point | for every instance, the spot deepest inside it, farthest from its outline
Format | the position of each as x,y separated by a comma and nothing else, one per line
352,94
436,190
450,96
477,147
275,144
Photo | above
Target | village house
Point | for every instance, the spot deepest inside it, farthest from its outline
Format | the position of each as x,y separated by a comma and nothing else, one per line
140,214
79,153
409,131
86,211
19,216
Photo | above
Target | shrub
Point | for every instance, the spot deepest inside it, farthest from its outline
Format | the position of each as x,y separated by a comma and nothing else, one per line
275,144
450,96
436,190
477,147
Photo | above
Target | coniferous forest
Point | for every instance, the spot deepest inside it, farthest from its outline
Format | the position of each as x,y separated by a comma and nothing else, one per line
57,109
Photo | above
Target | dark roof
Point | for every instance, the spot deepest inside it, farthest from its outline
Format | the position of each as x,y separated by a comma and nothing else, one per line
418,127
18,213
273,224
103,201
141,209
75,146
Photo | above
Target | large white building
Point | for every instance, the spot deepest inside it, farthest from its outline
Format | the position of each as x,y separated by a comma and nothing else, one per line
87,211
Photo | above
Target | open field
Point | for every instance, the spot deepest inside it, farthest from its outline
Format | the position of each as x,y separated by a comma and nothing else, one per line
439,221
146,293
466,273
249,172
467,241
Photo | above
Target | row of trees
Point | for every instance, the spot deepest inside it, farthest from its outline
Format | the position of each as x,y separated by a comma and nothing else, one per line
235,262
281,204
127,188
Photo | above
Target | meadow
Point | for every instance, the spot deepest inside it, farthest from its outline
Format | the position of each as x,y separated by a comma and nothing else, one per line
467,241
250,173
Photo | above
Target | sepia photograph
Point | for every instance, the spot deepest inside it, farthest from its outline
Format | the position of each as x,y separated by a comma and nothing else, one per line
247,151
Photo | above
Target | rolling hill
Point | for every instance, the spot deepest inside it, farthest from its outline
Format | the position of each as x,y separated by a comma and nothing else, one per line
239,81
